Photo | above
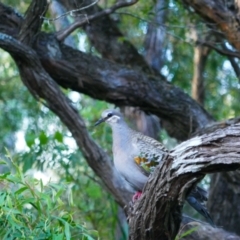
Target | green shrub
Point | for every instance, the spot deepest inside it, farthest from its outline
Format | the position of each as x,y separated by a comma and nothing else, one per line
31,210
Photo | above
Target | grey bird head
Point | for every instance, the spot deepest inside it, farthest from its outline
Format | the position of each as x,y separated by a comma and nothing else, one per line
110,116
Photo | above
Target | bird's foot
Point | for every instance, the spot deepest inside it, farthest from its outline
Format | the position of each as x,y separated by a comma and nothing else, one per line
136,196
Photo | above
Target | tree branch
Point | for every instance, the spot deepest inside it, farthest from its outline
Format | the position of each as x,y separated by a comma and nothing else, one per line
172,180
123,86
32,22
224,52
72,69
215,12
70,12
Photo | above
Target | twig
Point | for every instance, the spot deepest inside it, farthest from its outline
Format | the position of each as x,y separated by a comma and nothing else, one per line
69,12
61,35
221,51
235,65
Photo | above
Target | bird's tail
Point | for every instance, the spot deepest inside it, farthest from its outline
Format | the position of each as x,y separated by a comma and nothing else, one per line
197,198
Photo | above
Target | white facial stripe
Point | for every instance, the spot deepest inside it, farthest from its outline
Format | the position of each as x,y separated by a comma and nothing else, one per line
113,119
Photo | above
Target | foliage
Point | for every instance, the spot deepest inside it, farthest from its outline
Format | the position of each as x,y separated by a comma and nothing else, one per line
31,210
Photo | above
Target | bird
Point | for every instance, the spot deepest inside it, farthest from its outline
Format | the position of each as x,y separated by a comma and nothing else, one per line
133,152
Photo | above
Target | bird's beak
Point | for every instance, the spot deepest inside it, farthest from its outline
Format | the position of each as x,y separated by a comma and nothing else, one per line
99,121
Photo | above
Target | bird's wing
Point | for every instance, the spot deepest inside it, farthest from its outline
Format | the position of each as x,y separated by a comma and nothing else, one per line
149,148
140,167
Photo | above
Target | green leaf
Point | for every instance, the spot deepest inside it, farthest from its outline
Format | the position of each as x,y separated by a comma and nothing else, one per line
67,231
2,162
30,139
58,136
188,232
20,190
43,138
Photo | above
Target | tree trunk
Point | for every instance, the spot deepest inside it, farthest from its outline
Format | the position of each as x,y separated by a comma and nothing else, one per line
201,53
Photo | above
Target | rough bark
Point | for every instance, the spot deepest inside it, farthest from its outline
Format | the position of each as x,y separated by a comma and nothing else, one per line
224,189
168,186
223,16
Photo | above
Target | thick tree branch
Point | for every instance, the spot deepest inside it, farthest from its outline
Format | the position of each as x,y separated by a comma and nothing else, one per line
32,22
123,86
107,34
120,85
169,185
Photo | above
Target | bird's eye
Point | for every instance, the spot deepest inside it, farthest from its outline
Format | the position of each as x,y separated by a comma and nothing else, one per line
109,115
